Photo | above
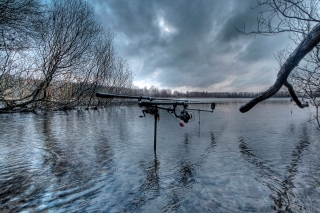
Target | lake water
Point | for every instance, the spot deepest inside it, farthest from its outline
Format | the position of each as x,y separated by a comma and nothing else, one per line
266,160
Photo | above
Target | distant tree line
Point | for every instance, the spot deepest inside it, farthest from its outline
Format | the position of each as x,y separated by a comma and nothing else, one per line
56,56
156,92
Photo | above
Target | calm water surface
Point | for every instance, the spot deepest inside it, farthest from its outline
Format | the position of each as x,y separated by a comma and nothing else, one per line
266,160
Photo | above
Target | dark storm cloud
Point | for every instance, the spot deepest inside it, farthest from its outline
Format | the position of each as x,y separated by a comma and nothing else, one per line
239,19
189,44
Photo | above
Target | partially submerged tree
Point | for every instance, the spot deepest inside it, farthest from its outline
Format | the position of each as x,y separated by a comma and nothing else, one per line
68,33
18,23
108,72
301,18
72,57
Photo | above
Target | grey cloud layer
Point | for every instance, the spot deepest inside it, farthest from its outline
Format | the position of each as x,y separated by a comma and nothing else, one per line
190,44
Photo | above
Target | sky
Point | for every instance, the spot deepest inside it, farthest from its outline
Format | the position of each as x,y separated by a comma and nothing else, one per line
192,45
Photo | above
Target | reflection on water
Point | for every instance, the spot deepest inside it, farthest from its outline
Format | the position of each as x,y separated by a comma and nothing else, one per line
283,190
103,161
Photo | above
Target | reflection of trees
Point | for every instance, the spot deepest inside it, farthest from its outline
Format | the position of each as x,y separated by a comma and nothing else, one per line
17,178
55,154
70,162
281,187
15,183
60,170
104,154
74,173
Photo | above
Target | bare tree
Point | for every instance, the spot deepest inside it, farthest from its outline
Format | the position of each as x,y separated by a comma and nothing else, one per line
67,34
72,57
101,68
120,78
302,20
306,81
18,19
15,78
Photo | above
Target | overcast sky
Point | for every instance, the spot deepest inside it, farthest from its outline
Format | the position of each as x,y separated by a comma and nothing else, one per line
192,44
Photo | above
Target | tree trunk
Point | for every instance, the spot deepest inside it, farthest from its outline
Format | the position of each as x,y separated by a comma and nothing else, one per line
307,44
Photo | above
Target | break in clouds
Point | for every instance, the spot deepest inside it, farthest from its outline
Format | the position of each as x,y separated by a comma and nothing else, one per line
192,45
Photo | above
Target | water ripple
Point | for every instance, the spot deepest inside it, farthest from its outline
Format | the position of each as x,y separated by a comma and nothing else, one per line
103,161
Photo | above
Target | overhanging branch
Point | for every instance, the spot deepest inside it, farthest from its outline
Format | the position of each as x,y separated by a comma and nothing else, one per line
306,45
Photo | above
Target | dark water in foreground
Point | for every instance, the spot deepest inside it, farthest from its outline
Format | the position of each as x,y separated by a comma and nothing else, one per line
266,160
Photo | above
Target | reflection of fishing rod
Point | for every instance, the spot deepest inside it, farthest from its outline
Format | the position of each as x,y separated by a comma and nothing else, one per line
152,105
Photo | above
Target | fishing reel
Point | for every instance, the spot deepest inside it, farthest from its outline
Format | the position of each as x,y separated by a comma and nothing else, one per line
152,111
186,116
152,105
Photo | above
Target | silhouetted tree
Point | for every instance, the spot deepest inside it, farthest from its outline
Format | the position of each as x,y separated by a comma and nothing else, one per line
18,21
72,57
18,24
301,19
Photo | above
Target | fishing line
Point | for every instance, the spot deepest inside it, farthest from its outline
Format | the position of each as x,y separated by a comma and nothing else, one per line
180,123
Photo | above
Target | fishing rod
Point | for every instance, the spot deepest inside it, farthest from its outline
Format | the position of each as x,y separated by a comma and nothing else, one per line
152,105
